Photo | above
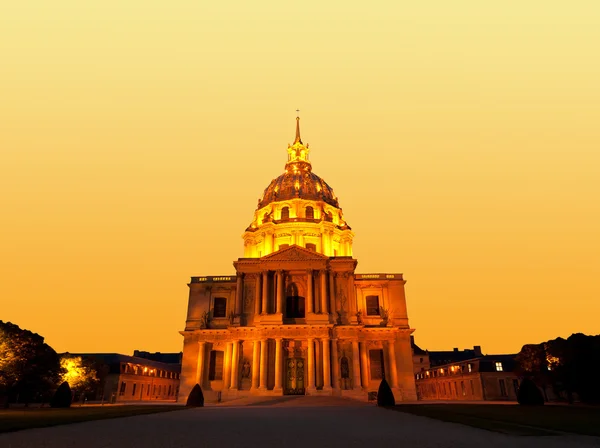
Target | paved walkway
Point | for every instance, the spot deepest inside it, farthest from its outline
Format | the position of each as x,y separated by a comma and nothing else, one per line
307,422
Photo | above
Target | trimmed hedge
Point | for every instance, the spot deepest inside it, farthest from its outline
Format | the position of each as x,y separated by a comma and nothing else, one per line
62,397
385,396
529,394
196,397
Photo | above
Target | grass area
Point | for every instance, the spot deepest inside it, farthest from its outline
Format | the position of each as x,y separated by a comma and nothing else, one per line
18,419
514,419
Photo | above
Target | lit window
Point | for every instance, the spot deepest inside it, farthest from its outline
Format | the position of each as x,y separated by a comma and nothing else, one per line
310,213
498,367
470,367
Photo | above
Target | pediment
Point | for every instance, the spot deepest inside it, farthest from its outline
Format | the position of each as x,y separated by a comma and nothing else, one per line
294,253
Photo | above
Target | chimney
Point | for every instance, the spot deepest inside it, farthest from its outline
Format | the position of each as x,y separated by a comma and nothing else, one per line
455,350
477,350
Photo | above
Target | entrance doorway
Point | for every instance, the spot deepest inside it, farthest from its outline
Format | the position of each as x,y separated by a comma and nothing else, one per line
294,377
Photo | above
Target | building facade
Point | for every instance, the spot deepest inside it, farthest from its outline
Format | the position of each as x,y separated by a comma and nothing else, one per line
295,318
126,378
489,377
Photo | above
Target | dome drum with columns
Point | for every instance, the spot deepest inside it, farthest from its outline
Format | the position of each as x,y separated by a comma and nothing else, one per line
295,318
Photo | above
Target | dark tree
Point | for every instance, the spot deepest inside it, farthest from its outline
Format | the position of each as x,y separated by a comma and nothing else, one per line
62,397
29,368
385,396
529,394
196,397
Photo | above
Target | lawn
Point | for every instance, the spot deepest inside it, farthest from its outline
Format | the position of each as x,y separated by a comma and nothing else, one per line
514,419
18,419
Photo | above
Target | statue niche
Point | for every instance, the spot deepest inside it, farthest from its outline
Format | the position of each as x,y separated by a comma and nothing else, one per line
294,302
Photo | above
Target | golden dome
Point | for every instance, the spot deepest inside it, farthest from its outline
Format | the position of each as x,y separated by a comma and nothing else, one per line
298,181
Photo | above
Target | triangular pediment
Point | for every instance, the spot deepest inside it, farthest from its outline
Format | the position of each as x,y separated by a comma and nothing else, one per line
294,253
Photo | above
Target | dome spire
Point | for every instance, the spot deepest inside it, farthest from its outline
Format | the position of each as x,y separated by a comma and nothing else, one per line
298,139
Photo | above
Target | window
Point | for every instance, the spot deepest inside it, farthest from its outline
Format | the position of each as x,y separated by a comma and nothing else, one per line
310,213
516,386
420,360
169,390
220,307
294,307
503,388
148,391
285,214
372,305
215,370
462,388
445,389
123,387
470,368
283,246
498,367
376,362
472,388
311,246
134,387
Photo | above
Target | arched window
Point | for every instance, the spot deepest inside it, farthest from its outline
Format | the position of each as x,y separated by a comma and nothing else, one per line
310,212
285,213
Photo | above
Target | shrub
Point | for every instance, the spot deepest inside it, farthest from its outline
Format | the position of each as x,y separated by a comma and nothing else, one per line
62,397
529,394
385,397
196,397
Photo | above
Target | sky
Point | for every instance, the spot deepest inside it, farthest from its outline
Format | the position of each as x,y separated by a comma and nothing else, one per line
461,138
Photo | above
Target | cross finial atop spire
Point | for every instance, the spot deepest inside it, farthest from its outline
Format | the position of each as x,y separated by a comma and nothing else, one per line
298,139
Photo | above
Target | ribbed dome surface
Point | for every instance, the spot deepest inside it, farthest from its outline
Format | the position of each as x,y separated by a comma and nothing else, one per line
303,184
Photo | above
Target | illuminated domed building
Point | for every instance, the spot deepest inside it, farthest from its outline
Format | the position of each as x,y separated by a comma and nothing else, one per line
295,318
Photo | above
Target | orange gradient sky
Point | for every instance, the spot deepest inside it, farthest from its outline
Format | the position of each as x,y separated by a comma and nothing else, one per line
462,139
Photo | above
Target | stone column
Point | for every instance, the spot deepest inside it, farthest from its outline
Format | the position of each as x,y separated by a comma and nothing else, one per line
200,365
323,275
392,358
351,294
263,365
239,289
326,365
318,364
255,364
336,364
279,298
265,292
332,304
364,365
278,378
235,364
309,292
311,364
355,365
257,294
227,366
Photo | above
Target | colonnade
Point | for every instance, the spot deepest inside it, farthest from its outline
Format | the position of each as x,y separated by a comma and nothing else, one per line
318,359
264,285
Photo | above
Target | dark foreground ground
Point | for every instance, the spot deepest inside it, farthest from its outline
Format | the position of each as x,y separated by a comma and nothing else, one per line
514,419
23,418
283,422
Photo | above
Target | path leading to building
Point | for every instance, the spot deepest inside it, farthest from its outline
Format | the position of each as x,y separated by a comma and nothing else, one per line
279,422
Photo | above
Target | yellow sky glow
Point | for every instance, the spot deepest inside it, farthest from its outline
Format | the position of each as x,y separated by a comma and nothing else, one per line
462,139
